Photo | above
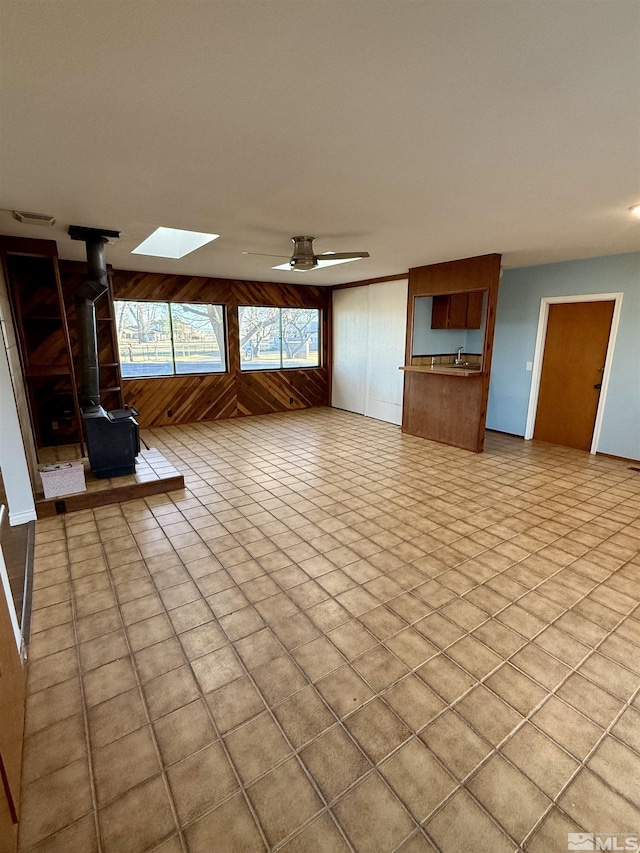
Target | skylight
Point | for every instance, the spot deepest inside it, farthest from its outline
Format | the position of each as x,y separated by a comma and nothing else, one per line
173,243
321,263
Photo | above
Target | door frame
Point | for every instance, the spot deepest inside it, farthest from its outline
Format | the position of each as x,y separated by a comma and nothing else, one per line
543,320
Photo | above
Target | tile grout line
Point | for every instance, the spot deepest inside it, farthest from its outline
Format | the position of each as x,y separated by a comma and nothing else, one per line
297,750
582,765
85,719
241,784
384,603
530,639
151,726
138,682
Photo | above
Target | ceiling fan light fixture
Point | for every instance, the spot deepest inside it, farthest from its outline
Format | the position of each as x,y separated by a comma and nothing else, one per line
303,263
322,262
288,268
304,258
329,263
635,209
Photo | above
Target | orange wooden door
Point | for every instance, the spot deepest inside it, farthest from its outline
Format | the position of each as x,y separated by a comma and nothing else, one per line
572,366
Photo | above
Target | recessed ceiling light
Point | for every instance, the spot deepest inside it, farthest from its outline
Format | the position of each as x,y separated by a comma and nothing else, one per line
635,209
321,263
173,243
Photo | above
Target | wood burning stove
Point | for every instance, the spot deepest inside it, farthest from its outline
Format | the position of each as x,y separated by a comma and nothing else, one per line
113,441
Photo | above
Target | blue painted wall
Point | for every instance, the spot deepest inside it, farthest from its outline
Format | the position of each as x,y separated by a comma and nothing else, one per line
515,335
428,341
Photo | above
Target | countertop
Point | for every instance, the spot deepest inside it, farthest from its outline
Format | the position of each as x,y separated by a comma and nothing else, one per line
442,370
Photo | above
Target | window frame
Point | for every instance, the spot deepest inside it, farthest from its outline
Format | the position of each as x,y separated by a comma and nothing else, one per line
282,367
169,302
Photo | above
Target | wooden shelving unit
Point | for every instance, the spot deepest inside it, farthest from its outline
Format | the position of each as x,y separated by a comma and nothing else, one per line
41,289
33,279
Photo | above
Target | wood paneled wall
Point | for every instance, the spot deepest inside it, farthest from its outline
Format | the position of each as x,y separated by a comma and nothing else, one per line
231,394
12,705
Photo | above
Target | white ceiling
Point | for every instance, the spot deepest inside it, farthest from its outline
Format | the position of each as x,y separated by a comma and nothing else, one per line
418,131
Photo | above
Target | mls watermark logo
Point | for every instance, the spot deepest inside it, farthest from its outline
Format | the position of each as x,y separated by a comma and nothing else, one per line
626,841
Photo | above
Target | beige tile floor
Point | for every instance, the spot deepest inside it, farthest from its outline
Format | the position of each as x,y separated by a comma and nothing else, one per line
339,638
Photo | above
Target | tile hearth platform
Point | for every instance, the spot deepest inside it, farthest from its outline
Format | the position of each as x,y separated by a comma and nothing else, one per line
153,475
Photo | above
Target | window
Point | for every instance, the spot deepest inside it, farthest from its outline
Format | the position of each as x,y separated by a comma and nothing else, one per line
167,338
198,337
276,338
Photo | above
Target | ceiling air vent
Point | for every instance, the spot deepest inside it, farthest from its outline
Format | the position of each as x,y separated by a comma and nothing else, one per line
33,218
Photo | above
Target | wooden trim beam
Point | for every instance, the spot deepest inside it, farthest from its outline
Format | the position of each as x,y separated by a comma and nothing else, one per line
365,281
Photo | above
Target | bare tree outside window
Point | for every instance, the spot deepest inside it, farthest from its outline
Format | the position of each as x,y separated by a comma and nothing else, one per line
198,337
259,337
161,338
144,338
276,338
300,337
167,338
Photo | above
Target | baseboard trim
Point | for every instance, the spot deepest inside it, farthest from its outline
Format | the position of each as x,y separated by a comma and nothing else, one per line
621,458
22,517
504,432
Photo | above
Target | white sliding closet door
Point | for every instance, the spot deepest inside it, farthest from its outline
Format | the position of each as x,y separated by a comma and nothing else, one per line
350,322
369,326
385,350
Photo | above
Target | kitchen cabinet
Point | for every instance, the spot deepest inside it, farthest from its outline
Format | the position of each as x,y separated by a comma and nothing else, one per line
457,310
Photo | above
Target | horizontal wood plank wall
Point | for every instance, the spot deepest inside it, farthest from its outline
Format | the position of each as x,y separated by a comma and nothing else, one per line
451,409
235,393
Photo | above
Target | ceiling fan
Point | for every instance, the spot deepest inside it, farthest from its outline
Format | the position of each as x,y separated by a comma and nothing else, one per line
304,258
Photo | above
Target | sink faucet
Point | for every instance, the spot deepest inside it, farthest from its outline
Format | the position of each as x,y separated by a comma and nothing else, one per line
459,356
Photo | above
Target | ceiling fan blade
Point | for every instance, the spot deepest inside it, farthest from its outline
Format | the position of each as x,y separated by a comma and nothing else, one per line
263,255
341,256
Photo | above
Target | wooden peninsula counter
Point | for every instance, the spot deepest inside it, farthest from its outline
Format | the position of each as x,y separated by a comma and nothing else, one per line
449,403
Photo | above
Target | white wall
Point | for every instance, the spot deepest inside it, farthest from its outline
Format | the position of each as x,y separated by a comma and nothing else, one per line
350,332
13,457
369,328
13,461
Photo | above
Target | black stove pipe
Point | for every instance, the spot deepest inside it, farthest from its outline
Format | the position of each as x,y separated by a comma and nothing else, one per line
85,298
113,439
